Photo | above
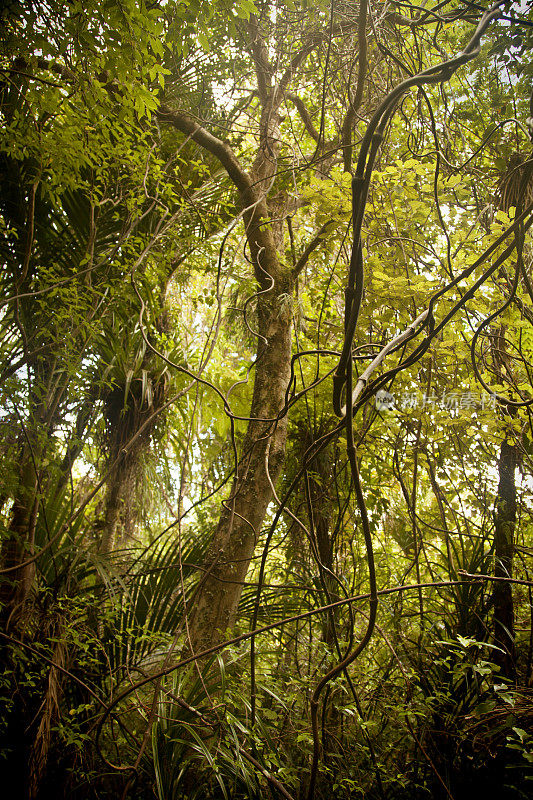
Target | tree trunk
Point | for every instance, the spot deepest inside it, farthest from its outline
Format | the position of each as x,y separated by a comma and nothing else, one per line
502,596
242,516
235,538
114,506
18,545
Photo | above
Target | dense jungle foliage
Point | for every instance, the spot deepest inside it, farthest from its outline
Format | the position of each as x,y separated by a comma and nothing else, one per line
266,360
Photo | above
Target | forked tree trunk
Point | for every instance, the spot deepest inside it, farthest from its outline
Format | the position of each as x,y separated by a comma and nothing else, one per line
216,603
263,450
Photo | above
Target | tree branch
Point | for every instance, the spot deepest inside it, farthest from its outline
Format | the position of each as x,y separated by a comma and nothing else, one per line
317,239
308,45
305,115
185,123
259,53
